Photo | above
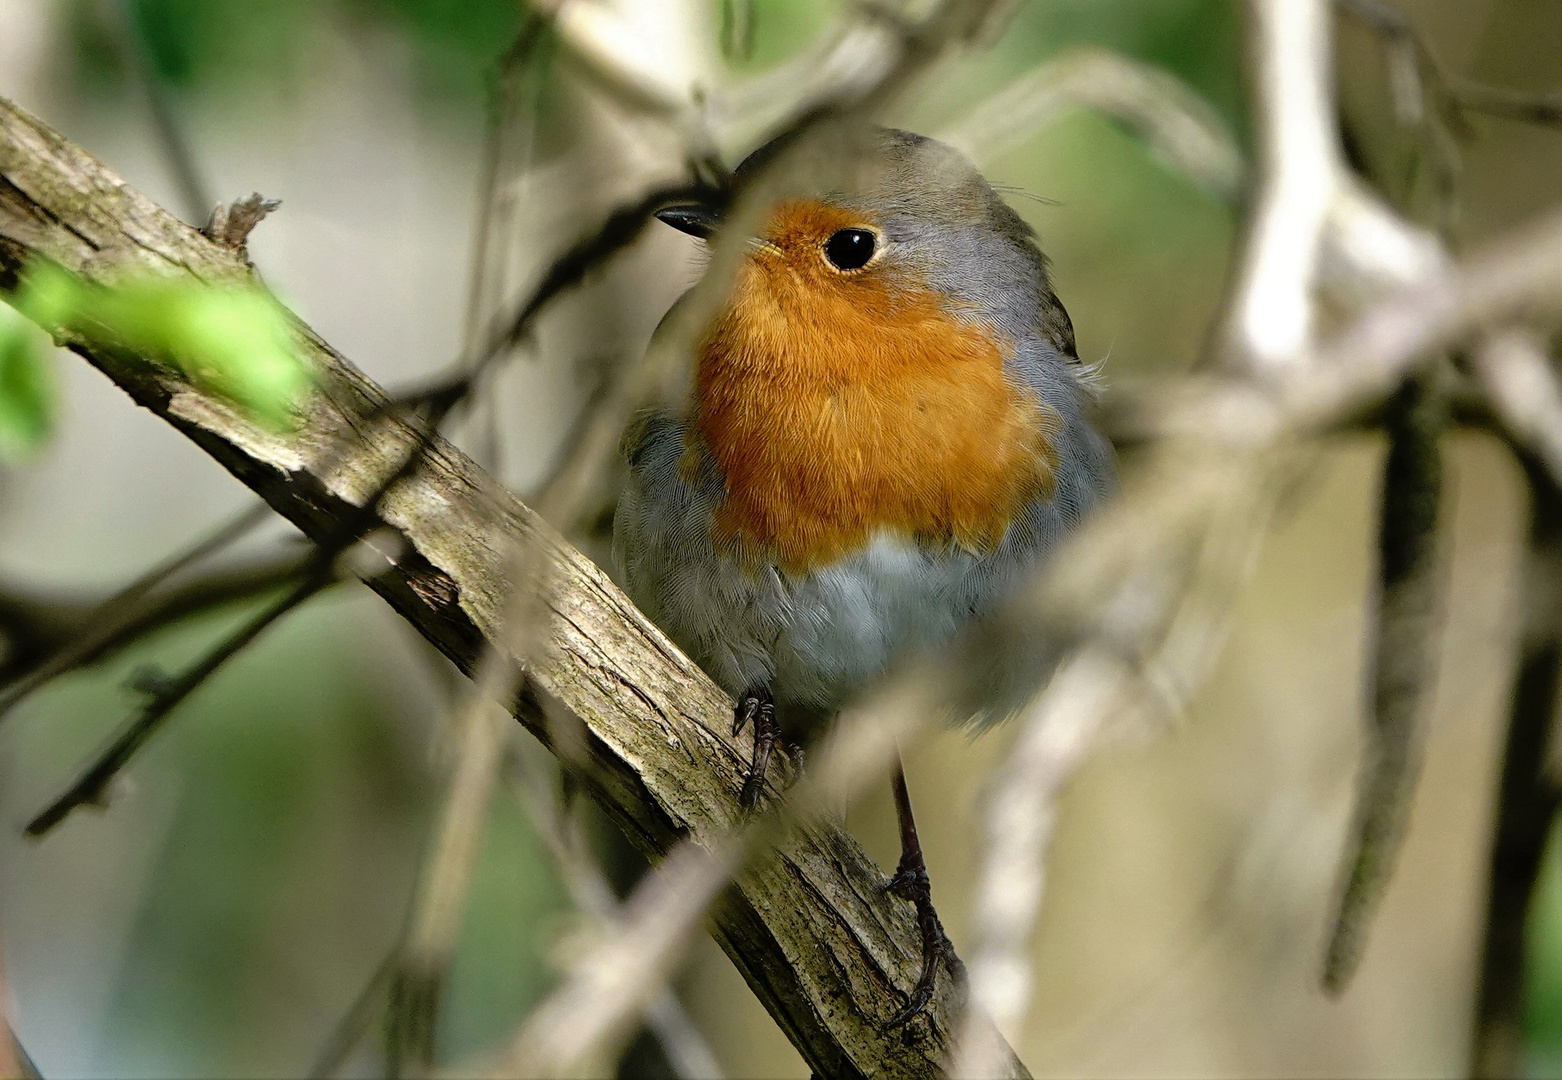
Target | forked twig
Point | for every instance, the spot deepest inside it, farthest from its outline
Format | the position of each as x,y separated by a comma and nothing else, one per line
164,697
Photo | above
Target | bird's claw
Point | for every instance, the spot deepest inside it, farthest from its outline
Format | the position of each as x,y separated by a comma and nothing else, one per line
910,882
752,708
922,993
756,706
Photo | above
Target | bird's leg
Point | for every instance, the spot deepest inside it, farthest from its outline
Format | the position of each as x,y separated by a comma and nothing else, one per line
757,706
911,883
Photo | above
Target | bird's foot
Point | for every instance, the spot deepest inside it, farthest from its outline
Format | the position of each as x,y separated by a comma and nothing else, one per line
756,706
911,883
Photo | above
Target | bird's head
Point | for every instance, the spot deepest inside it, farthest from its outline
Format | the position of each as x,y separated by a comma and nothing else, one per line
886,218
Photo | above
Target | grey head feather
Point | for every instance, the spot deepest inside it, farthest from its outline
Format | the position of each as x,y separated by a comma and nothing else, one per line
941,216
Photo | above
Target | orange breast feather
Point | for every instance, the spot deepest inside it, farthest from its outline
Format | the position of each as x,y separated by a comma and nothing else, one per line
837,405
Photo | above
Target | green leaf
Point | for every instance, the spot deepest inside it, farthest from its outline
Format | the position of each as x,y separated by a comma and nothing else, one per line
50,296
26,387
233,340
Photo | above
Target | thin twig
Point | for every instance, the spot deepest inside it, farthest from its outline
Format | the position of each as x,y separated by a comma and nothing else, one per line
90,786
69,635
1528,796
109,619
418,980
1403,665
1427,78
1179,125
349,1031
1511,104
1155,577
478,731
1088,689
588,887
578,1028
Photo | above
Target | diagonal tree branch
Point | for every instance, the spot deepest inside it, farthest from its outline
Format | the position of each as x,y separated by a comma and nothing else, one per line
827,952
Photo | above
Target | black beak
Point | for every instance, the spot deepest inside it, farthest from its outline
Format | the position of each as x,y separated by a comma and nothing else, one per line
696,219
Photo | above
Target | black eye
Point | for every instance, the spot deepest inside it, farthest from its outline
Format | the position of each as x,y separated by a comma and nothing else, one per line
849,249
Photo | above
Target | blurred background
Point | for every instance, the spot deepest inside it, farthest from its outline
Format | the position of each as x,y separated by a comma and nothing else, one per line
257,862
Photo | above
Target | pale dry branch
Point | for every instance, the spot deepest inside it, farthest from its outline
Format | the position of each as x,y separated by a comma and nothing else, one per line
583,1022
1369,250
561,834
1177,124
1272,322
1056,735
1516,278
687,1052
1157,576
1520,380
828,954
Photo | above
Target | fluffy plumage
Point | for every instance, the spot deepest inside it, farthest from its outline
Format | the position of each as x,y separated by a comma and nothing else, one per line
870,458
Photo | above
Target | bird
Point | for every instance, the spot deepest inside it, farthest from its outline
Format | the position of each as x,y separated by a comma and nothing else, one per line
886,429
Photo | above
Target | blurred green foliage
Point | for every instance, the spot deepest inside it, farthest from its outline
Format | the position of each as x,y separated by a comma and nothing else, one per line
1543,980
215,44
211,44
234,341
1199,40
284,807
26,386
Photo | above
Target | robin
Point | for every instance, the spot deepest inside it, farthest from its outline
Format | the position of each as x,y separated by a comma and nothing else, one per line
884,432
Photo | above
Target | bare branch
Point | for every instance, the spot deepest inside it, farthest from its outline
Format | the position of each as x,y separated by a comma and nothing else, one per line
1510,104
1516,278
113,618
1153,578
1271,328
1528,795
46,637
164,698
560,832
1521,381
1403,659
1175,121
1085,692
609,987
